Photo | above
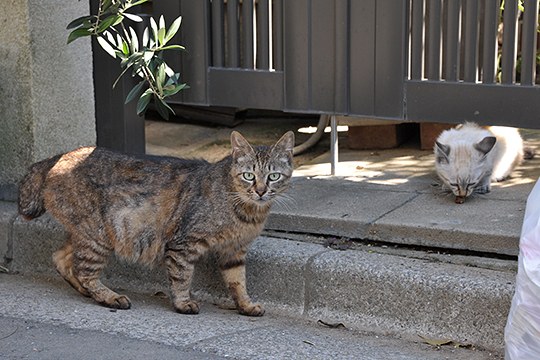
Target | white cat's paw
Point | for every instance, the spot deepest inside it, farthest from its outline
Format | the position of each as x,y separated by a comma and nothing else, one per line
482,189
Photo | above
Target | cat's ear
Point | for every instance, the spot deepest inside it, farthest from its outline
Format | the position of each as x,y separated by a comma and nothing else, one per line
286,143
441,153
486,144
240,146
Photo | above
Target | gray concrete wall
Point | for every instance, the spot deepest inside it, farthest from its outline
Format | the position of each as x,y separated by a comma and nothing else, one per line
46,86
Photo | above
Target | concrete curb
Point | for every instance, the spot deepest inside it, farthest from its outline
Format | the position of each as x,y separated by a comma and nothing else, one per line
364,290
338,208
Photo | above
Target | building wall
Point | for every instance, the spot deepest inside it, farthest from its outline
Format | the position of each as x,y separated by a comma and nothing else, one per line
46,86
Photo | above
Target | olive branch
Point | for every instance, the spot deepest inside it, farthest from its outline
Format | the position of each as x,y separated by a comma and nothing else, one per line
145,59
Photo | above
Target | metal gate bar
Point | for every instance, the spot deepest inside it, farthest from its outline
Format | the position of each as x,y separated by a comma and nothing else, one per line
509,45
528,44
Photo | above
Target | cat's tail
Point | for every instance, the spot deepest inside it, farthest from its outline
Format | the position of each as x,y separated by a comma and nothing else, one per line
31,189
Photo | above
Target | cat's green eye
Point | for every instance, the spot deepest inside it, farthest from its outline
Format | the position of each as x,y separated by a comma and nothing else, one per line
248,176
274,176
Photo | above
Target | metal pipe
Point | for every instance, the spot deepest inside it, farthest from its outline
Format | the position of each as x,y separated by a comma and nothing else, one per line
315,137
333,145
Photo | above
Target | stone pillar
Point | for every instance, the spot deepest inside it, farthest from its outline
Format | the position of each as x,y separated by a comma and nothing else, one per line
46,86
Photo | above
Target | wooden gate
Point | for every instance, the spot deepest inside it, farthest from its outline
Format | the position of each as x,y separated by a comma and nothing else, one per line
410,60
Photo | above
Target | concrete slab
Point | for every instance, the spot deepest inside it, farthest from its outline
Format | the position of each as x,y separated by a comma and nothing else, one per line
410,296
214,332
403,169
329,207
276,272
436,221
362,289
26,339
8,213
346,206
34,243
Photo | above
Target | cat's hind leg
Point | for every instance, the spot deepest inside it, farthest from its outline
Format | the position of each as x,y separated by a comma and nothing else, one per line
63,260
233,270
89,259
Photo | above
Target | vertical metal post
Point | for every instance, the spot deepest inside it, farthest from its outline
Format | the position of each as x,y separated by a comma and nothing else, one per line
528,43
452,41
417,40
277,34
233,37
217,33
509,45
247,34
434,41
263,26
334,151
471,41
489,52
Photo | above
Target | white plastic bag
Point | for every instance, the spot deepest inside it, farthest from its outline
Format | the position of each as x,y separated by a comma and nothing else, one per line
522,332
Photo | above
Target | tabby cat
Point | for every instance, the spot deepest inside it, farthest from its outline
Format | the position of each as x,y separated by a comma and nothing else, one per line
469,157
149,209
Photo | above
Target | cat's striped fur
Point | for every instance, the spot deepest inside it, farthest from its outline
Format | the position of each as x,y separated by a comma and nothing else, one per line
149,209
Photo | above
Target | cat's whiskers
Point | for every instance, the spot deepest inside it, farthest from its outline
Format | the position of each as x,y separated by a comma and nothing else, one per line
237,198
285,199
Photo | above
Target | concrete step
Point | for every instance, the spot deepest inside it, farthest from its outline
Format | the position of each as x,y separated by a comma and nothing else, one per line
43,318
405,210
367,288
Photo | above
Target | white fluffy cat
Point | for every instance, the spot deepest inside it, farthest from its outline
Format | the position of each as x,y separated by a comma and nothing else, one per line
469,157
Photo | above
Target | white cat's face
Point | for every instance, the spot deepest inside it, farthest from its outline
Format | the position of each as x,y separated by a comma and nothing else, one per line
463,167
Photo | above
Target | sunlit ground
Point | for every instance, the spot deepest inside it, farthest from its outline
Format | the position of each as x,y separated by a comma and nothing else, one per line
406,165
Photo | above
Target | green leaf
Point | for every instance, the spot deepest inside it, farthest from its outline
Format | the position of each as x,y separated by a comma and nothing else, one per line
143,101
125,48
106,4
120,19
133,59
79,21
161,22
110,37
173,47
162,108
145,37
77,33
175,90
136,91
105,24
154,27
160,78
136,3
133,17
106,46
173,29
148,55
134,40
168,70
161,36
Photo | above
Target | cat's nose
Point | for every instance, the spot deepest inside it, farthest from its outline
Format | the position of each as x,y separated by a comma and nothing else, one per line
260,192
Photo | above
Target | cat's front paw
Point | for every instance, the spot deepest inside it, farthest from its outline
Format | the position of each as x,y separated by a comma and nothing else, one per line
187,307
121,302
482,189
251,310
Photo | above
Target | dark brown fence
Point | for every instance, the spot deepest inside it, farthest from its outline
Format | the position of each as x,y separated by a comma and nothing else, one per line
412,60
473,60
